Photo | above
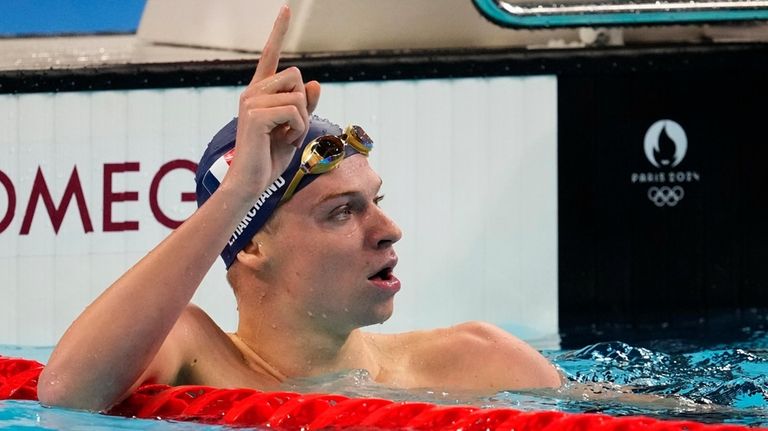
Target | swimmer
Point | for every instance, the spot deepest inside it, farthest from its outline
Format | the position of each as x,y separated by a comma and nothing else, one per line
311,260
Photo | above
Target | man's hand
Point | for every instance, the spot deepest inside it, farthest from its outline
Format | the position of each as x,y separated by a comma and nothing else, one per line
273,117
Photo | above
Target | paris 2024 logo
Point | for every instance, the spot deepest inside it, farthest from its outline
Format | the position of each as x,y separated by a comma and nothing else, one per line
665,146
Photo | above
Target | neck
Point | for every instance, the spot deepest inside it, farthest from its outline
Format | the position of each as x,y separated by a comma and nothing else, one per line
302,346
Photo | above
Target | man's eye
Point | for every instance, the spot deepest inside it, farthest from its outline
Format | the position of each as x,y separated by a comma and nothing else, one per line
341,213
378,199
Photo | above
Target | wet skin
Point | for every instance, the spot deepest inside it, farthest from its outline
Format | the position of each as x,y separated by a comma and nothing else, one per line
303,290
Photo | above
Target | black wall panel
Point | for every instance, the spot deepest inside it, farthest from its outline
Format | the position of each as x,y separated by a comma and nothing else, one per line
644,241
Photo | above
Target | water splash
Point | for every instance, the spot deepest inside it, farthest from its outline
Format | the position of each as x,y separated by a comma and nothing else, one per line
720,383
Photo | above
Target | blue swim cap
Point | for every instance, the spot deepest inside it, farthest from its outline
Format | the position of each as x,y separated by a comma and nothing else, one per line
215,163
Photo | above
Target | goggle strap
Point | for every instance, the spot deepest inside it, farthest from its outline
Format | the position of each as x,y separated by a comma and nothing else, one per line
292,186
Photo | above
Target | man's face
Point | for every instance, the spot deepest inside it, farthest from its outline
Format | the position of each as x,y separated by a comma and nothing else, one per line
333,249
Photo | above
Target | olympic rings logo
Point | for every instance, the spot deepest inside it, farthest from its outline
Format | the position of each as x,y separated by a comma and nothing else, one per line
669,196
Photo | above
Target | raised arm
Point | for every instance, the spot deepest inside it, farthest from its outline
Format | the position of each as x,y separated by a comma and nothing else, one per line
105,352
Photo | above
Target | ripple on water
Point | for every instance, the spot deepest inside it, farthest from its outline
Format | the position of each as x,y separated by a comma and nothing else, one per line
722,383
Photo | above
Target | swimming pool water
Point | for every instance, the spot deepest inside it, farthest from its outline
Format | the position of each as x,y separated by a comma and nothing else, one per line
722,383
668,378
28,415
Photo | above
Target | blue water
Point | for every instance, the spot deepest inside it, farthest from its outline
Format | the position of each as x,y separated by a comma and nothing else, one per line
27,415
671,378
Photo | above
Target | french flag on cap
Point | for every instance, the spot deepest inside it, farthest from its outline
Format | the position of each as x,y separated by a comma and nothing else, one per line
218,170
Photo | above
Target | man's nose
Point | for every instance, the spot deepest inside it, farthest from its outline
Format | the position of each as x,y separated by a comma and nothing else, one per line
383,230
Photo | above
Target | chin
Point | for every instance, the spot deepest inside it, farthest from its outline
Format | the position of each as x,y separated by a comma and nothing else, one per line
383,312
379,313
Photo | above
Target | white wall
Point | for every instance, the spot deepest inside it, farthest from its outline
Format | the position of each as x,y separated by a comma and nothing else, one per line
469,168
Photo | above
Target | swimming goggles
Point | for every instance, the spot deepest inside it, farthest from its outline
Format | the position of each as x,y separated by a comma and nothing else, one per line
326,152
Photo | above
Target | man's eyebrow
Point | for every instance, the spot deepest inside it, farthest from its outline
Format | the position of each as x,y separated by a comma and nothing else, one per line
329,196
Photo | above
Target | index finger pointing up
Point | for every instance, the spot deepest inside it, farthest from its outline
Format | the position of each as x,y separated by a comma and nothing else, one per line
270,56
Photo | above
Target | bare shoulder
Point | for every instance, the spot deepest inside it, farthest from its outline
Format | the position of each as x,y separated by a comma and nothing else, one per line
194,330
194,335
198,352
193,323
476,356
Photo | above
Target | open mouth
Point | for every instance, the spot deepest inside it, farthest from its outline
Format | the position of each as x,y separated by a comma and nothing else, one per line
385,279
384,274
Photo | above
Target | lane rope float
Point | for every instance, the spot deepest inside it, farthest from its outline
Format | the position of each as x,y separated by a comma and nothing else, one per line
294,411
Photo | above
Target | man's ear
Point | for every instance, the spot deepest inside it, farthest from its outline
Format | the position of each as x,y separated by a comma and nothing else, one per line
253,256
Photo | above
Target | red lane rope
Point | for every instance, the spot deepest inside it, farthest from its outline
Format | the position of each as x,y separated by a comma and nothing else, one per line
294,411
